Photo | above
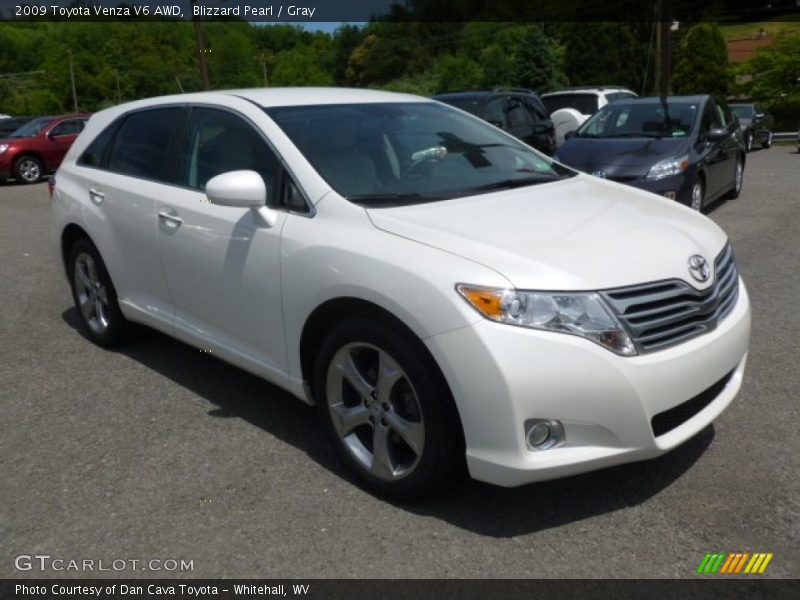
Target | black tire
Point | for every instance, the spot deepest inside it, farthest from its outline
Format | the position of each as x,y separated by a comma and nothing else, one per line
441,463
28,169
767,143
748,142
112,329
736,190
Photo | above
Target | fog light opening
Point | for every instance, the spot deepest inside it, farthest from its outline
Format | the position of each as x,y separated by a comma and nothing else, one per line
543,434
669,195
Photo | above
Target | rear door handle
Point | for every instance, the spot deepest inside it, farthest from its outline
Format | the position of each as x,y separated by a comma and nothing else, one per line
171,220
96,196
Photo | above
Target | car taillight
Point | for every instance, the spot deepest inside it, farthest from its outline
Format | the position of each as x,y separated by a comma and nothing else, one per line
51,184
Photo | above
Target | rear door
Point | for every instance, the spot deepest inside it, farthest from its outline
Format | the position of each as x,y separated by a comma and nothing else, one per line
124,173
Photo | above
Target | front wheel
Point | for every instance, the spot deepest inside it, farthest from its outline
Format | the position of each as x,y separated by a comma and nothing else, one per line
94,296
696,199
738,180
767,143
28,169
748,141
388,409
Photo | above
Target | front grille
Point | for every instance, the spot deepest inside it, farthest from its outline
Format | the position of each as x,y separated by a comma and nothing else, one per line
668,420
665,313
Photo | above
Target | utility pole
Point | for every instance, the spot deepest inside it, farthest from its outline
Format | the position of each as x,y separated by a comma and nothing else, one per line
201,49
663,68
72,79
263,59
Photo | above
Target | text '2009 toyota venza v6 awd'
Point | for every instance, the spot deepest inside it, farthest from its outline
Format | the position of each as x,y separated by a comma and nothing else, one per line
451,299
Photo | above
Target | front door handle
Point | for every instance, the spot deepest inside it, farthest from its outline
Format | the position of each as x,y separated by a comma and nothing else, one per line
170,219
96,196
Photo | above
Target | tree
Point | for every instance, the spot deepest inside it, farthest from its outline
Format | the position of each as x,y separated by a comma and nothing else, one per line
536,64
603,54
702,66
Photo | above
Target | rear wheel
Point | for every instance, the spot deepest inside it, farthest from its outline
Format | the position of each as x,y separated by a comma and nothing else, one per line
698,193
388,409
767,143
28,169
94,296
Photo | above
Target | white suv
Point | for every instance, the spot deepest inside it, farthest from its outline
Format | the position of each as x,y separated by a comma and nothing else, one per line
569,108
447,296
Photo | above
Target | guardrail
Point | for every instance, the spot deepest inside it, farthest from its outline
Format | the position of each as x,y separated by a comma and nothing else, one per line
786,135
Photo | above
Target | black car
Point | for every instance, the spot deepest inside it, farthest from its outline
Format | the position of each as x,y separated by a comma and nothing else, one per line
9,125
687,148
518,111
756,124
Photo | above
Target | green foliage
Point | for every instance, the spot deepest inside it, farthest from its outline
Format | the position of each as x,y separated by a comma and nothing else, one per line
702,66
536,63
620,62
772,76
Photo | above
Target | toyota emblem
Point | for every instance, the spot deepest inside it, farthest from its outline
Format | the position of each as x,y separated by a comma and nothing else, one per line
699,268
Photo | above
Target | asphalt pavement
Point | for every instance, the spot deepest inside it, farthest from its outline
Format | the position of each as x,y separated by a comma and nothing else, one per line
158,451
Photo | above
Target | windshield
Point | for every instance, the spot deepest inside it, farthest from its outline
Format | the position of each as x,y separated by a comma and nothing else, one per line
32,128
743,111
404,153
621,120
586,104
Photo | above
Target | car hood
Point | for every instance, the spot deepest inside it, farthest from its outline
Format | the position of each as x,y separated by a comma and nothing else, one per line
581,233
629,156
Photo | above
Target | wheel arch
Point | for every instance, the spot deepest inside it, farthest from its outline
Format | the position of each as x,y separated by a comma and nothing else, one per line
69,235
325,316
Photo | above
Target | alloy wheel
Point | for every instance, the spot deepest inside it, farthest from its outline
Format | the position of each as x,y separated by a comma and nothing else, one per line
91,293
738,177
375,411
29,170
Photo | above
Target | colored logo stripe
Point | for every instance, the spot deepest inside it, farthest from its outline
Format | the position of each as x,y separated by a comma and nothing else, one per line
734,562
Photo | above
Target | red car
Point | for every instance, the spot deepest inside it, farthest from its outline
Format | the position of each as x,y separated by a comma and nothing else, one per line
37,148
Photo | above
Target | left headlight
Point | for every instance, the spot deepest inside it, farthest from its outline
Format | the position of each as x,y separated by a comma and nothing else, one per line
3,148
582,313
669,167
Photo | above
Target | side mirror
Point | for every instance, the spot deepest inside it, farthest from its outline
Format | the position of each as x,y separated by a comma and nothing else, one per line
717,134
569,134
759,116
244,189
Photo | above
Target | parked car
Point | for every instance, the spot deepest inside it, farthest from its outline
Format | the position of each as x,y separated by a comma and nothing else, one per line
570,107
37,148
756,124
448,297
686,148
518,111
9,125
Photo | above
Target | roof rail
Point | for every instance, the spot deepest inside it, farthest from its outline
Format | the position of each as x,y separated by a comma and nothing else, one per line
520,90
594,87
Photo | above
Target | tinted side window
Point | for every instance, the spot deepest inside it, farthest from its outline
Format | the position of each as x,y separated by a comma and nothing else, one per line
218,141
71,127
710,118
516,113
140,147
494,114
97,152
536,109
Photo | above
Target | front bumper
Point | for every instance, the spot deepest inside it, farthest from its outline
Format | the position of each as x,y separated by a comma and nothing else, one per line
502,375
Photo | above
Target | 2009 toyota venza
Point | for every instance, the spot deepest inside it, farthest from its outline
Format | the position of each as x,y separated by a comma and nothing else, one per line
450,298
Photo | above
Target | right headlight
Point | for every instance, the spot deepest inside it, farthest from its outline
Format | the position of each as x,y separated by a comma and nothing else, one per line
668,168
582,313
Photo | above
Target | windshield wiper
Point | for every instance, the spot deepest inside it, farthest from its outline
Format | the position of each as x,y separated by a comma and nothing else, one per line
507,184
